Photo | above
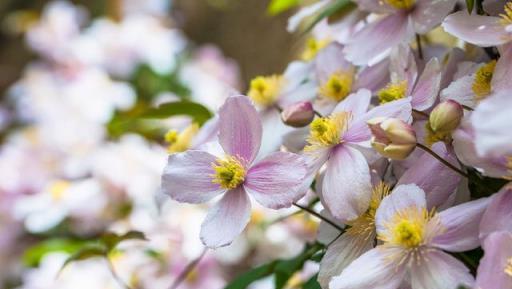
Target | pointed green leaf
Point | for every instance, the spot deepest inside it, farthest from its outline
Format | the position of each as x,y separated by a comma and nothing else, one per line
470,4
198,112
87,252
244,280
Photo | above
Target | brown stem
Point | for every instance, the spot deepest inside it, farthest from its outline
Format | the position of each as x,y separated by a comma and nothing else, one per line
312,212
114,274
420,48
446,163
189,268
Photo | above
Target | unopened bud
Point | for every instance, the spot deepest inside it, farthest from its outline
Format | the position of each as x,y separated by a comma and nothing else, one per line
299,114
443,120
392,138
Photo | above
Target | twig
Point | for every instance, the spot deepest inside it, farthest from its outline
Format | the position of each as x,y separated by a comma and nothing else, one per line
189,268
312,212
446,163
420,49
115,275
467,107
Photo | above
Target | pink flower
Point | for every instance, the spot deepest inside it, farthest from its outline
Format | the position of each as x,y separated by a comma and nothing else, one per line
400,21
196,176
341,141
413,241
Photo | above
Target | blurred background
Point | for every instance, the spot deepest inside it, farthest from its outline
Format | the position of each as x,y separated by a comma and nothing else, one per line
94,95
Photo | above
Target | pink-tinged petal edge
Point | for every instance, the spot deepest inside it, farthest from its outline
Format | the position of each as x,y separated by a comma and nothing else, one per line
187,177
498,215
427,88
240,128
429,14
476,29
226,219
491,271
275,180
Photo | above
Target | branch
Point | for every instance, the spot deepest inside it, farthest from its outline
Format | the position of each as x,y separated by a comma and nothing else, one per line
445,162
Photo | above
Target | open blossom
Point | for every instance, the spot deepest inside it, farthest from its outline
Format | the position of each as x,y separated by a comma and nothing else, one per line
400,21
197,176
339,141
413,240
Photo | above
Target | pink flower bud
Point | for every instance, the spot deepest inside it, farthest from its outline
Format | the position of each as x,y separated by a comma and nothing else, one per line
446,117
298,114
392,138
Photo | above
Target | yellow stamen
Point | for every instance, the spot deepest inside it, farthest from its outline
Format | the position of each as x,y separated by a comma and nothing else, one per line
432,137
506,18
508,267
264,90
58,189
338,86
180,142
313,46
401,4
482,82
229,172
393,91
327,131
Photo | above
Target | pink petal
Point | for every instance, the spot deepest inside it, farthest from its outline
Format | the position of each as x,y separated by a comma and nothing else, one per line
460,90
207,133
374,269
226,219
340,254
372,43
425,92
502,76
357,103
187,177
403,66
460,226
433,177
330,60
499,213
438,270
402,197
373,77
428,14
346,189
240,128
476,29
375,6
455,56
491,272
274,181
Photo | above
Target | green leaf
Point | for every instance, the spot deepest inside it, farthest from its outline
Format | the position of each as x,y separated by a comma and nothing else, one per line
198,112
285,269
148,83
337,8
244,280
470,4
111,240
33,255
279,6
87,252
312,283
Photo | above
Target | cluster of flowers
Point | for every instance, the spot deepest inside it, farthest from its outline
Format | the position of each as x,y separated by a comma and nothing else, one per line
403,139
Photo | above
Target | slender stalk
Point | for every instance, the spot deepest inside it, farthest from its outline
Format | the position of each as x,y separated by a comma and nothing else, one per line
189,268
467,108
420,48
115,275
421,113
446,163
317,113
312,212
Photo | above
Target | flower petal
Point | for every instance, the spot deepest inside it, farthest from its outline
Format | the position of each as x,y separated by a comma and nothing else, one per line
403,196
274,181
460,226
372,270
373,77
330,60
226,219
491,271
461,91
375,6
357,103
346,189
428,14
187,177
502,75
425,92
438,270
372,43
240,128
340,254
498,214
476,29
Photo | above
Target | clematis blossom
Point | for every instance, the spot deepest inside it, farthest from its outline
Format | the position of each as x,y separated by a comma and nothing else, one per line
413,240
400,20
197,176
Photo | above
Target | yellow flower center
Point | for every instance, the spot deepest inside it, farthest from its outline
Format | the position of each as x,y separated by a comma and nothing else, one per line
229,172
264,90
313,46
58,189
401,4
338,86
407,228
408,234
327,131
508,267
506,18
482,82
180,142
393,91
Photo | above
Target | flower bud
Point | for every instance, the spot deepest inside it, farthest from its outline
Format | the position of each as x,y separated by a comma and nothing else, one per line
298,114
392,138
443,120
